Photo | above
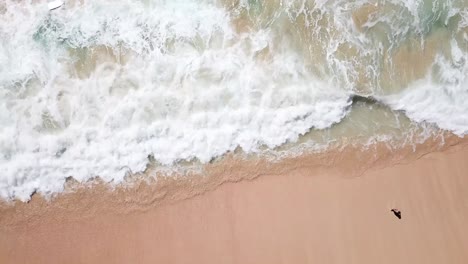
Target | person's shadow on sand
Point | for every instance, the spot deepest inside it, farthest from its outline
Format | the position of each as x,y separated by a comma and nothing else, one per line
397,213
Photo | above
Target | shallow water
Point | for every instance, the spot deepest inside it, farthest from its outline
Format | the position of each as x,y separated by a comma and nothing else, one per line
95,88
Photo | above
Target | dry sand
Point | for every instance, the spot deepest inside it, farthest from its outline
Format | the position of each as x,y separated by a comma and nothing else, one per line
298,211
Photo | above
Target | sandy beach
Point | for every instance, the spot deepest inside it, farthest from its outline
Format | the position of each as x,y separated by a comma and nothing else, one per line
228,131
303,214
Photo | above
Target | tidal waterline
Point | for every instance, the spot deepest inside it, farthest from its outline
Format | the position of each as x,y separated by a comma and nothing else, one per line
95,88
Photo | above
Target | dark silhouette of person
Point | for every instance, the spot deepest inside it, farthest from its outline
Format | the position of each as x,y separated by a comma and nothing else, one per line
397,213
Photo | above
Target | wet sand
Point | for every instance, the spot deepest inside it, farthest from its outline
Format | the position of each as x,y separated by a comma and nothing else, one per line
303,213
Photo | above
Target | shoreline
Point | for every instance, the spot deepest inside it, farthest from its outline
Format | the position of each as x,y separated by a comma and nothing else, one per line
234,131
149,189
292,211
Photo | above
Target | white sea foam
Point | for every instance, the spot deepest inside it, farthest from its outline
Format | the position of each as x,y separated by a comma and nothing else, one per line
441,97
95,89
179,105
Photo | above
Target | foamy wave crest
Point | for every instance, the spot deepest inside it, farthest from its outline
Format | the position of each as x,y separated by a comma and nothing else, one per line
195,91
98,88
442,96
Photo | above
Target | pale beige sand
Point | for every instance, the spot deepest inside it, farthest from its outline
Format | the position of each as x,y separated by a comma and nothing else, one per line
307,214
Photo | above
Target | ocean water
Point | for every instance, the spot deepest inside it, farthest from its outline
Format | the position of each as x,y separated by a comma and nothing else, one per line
100,88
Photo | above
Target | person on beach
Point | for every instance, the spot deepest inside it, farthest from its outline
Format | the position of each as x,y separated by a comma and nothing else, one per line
397,213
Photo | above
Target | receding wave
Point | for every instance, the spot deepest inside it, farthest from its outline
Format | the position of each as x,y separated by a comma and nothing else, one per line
95,88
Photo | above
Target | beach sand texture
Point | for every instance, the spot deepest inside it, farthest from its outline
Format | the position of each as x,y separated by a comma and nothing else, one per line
234,131
308,215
